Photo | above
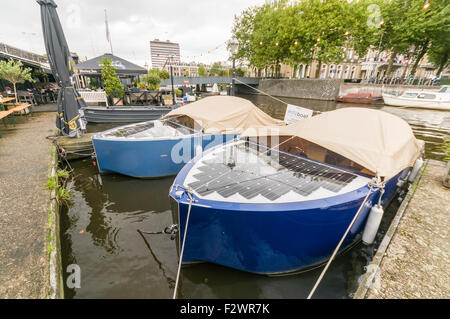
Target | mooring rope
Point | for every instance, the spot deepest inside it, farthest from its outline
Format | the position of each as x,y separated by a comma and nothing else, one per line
184,242
259,91
373,184
267,94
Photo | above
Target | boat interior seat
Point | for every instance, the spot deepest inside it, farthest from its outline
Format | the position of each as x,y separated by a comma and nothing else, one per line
184,120
316,152
302,147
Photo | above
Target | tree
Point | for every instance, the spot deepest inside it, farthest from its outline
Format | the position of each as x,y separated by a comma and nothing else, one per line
186,73
113,86
201,70
417,28
14,72
431,34
153,79
301,32
215,69
439,53
164,75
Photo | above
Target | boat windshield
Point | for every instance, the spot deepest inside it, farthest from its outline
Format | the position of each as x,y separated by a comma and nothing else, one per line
251,172
445,90
151,129
426,96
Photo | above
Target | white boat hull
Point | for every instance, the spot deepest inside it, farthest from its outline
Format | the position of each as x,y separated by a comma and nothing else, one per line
393,100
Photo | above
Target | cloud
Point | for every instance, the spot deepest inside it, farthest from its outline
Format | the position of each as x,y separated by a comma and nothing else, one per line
198,25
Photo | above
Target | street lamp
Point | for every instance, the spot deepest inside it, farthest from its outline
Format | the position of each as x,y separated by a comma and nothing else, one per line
174,100
234,48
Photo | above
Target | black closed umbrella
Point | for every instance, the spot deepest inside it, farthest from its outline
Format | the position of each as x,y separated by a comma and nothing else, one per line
70,119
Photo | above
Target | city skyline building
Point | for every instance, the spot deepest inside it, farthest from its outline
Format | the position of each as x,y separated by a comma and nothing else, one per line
160,51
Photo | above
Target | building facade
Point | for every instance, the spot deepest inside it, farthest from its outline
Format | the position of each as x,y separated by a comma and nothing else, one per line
161,51
182,68
370,68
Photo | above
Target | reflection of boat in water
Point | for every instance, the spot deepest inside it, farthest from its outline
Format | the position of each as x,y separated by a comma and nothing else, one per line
280,203
439,100
360,98
161,148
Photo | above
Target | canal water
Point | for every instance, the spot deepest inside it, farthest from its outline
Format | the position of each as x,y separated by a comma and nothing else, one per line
103,233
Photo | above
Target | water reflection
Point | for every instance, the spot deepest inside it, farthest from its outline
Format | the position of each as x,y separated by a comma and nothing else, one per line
119,260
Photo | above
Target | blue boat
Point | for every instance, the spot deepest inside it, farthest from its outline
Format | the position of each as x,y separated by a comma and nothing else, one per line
162,147
280,203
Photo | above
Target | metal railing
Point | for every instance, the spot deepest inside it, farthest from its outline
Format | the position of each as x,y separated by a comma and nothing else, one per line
129,98
399,81
29,57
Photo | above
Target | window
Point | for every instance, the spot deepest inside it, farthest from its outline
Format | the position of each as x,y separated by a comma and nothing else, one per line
427,96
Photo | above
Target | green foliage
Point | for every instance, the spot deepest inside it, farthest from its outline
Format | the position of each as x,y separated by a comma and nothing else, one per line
186,73
411,29
201,70
113,86
218,70
215,69
241,72
64,196
14,72
445,148
153,79
178,92
51,184
61,173
164,75
142,86
94,83
321,30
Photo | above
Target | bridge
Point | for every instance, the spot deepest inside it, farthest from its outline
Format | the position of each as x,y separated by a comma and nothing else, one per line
209,80
31,59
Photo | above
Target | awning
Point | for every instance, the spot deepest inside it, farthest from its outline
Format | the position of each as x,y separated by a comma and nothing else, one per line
224,114
93,67
374,139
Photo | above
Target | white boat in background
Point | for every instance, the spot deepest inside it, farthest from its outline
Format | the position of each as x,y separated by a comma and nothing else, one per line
439,100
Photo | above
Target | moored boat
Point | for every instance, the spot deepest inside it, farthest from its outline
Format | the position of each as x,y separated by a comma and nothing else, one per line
280,201
161,148
438,100
360,98
124,114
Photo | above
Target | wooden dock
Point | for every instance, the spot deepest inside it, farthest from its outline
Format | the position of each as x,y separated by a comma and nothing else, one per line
75,148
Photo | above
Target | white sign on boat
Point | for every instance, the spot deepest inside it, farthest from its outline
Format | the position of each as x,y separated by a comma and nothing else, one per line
296,113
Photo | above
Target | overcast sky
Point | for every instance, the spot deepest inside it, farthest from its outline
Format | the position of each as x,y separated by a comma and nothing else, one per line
198,25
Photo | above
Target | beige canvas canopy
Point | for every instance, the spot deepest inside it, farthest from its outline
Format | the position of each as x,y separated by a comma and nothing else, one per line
374,139
224,113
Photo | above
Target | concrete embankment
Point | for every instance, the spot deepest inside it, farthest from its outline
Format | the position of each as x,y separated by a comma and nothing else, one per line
28,217
315,89
413,259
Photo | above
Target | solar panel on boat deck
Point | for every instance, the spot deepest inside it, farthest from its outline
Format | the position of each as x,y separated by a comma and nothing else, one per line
135,129
290,173
131,130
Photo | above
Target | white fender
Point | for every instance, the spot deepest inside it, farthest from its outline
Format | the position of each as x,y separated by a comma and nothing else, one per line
416,169
372,225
